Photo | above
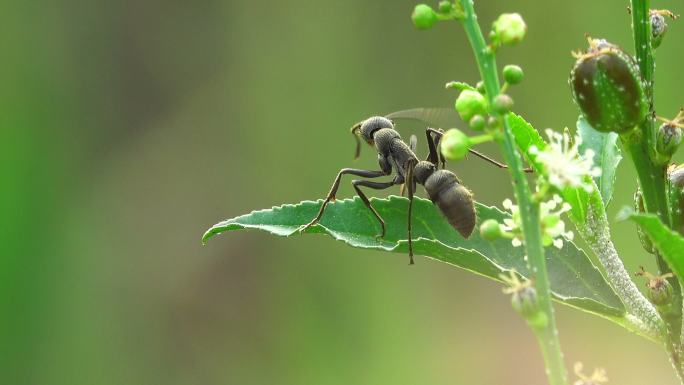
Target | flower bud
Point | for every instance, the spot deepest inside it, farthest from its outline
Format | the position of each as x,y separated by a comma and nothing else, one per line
490,230
643,237
445,6
423,16
470,103
668,139
480,86
608,89
455,144
509,29
477,123
502,104
513,74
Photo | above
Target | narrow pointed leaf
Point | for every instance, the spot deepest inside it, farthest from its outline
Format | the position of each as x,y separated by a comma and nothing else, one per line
607,156
669,243
574,279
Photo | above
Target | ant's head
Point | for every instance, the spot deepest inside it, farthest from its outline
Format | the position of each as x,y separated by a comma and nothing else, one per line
366,130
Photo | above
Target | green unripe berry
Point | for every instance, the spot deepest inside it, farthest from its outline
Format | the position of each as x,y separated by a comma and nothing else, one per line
490,230
502,104
509,29
607,87
668,139
445,6
470,103
513,74
455,144
478,123
423,17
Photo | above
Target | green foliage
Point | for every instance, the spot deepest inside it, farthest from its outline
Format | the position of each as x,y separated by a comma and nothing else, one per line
607,156
574,279
526,137
669,243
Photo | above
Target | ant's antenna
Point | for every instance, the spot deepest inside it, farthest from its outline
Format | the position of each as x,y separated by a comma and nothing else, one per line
355,131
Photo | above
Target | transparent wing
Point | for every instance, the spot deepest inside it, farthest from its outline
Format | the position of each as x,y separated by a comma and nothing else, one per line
438,117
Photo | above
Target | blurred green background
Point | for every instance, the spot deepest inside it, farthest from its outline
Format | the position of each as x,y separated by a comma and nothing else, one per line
128,128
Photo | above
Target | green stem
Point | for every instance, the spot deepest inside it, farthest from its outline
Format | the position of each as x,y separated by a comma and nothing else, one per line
547,336
652,174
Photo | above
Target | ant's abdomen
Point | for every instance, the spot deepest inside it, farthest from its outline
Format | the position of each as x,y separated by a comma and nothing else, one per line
453,200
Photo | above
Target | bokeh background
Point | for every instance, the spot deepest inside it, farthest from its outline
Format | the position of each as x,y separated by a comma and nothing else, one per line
128,128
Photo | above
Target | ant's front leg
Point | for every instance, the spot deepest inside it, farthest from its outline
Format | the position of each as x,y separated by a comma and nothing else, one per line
435,156
434,153
336,185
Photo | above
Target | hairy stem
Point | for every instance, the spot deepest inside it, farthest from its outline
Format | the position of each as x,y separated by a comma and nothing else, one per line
529,210
640,311
652,174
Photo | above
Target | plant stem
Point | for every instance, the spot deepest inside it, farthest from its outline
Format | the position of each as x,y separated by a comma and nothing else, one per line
529,209
652,175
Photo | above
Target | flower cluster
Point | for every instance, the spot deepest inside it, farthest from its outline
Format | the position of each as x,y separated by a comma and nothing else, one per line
553,227
563,166
597,377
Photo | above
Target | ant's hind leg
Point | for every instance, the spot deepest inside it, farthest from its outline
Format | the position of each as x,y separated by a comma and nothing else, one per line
377,186
411,189
336,185
413,145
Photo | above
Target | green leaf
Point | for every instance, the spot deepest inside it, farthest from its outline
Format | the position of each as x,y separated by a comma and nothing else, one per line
574,279
669,243
607,156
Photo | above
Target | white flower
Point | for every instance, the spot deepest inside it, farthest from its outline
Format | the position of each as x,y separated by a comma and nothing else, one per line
552,226
563,164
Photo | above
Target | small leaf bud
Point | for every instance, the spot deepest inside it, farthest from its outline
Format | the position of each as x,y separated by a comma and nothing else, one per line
513,74
524,300
659,25
490,230
423,16
455,144
643,237
668,139
502,104
509,29
658,29
478,123
659,289
470,103
608,89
